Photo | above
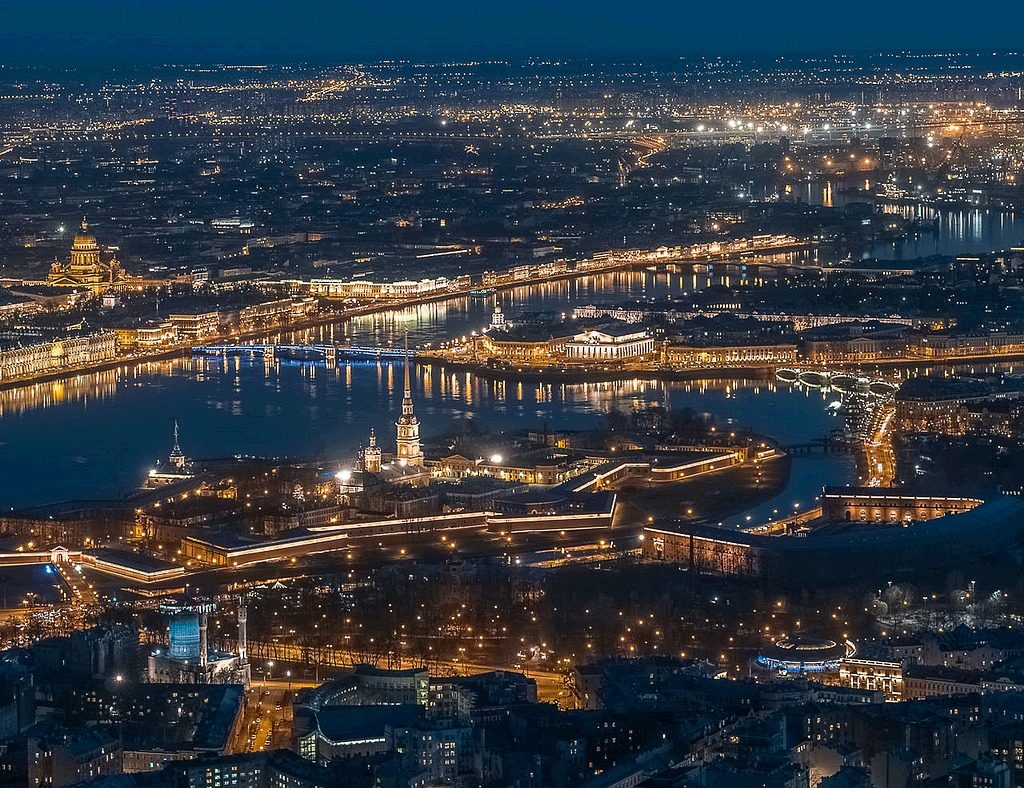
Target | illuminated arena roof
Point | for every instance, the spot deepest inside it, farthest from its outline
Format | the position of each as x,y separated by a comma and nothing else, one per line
802,654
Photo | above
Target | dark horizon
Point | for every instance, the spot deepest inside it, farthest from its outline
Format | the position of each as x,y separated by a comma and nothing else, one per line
9,59
320,31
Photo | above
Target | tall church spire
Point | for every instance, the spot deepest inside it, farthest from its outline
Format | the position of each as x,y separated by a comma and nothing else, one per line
408,426
177,456
408,388
407,398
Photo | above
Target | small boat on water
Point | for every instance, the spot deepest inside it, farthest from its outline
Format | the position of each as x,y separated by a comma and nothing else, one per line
482,292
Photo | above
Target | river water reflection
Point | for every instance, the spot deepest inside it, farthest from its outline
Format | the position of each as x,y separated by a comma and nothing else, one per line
95,436
951,231
100,440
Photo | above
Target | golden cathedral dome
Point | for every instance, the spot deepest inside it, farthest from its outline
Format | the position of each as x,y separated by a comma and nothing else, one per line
84,242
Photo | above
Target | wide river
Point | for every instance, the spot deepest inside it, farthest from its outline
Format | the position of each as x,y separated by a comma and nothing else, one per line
954,231
96,436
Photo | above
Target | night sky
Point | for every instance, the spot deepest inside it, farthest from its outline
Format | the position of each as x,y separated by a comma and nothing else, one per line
338,30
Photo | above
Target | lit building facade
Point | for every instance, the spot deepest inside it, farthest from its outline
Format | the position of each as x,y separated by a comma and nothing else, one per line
147,337
729,355
870,347
610,343
196,325
499,345
365,289
965,345
279,312
929,681
947,413
456,466
57,356
885,505
873,675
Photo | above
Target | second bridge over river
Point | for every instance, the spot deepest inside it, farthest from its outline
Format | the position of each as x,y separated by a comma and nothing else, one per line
324,352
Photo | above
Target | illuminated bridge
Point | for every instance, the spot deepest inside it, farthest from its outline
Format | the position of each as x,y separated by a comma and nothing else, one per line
328,353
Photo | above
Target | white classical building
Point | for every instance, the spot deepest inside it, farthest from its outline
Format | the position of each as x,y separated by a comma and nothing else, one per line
610,343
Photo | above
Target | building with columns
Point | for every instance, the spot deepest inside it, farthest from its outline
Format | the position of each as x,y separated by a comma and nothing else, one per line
611,342
58,355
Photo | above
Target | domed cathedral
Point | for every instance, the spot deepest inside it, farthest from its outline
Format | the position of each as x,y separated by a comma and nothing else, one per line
86,268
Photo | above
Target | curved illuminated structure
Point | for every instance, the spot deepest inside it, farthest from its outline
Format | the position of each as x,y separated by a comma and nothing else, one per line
800,654
840,381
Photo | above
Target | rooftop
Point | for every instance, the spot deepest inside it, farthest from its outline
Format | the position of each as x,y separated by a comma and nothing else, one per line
357,723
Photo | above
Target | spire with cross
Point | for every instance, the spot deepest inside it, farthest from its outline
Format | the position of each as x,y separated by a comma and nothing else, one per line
410,452
177,457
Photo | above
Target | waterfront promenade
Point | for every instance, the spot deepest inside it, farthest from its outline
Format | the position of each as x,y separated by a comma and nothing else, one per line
547,369
507,279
